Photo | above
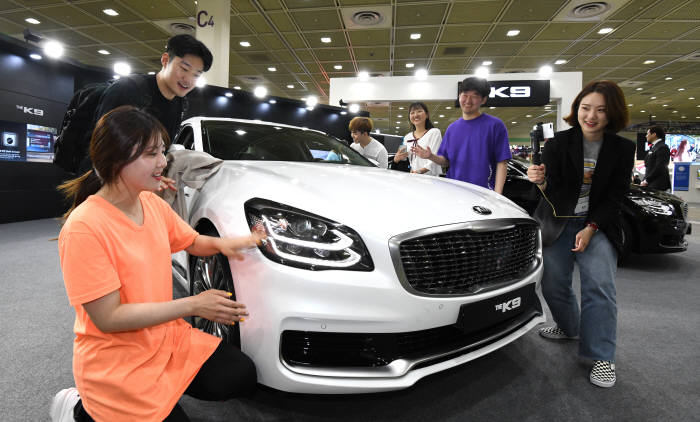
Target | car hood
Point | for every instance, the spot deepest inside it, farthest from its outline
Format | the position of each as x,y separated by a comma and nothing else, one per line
636,190
390,201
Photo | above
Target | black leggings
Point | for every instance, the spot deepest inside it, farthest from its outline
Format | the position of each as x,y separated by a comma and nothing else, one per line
228,373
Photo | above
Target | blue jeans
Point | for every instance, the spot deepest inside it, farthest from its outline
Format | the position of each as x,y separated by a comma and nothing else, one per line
596,322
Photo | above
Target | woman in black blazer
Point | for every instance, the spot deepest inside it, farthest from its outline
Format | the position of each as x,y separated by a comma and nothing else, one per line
584,175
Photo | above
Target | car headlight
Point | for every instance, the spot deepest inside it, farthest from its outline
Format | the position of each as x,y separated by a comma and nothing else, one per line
653,206
301,239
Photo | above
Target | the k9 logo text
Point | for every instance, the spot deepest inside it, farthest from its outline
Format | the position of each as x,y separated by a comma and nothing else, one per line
30,110
510,305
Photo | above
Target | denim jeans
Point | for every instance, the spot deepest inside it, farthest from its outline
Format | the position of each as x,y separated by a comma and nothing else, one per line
596,322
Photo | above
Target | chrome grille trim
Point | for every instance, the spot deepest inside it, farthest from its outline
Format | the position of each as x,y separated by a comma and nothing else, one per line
498,227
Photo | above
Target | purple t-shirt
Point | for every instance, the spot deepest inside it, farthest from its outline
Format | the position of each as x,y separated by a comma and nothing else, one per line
474,147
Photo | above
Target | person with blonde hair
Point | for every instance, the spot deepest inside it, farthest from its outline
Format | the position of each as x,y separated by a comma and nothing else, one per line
368,147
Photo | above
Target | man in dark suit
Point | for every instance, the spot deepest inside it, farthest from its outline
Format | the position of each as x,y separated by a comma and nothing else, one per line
656,161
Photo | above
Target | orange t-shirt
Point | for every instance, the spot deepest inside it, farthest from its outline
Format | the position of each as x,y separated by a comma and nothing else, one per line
133,375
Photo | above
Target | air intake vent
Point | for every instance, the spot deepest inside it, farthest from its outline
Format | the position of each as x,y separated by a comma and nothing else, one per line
589,10
366,18
454,51
178,28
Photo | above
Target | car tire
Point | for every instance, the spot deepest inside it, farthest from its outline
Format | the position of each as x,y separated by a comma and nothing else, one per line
628,240
213,272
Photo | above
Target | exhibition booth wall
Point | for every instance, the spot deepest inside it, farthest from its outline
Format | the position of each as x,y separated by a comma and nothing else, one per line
33,99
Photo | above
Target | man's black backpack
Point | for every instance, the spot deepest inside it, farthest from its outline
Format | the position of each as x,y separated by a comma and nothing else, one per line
71,147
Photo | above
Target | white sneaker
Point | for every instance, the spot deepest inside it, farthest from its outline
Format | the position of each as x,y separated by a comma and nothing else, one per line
62,405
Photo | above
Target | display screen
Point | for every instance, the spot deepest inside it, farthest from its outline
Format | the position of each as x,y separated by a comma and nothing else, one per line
27,142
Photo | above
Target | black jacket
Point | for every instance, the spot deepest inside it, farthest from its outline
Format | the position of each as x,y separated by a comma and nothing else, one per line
563,158
656,163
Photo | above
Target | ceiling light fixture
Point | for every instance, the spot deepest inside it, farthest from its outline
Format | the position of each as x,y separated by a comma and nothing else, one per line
338,67
487,63
35,56
110,12
681,89
122,68
104,52
32,21
545,71
272,69
649,61
229,94
326,40
560,61
409,65
53,49
482,72
442,115
236,87
604,31
448,108
260,91
512,32
415,36
639,89
290,86
151,73
421,74
668,78
244,44
311,101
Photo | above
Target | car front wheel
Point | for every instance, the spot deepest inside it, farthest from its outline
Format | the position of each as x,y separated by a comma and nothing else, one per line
213,272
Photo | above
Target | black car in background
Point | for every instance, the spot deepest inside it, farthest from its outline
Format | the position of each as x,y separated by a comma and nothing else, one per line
652,221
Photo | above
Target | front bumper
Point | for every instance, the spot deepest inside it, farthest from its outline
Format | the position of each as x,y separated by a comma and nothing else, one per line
369,316
662,235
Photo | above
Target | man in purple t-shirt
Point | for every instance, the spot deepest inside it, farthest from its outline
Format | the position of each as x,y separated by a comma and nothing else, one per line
474,147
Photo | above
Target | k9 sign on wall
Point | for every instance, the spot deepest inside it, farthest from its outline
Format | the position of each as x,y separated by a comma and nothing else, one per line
516,93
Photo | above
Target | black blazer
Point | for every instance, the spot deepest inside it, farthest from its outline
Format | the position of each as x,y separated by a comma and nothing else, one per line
563,158
656,163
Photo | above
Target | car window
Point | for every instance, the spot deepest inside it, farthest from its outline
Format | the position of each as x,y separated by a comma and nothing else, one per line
251,141
185,137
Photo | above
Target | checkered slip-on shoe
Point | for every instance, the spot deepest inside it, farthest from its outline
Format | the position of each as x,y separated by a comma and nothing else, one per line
555,333
63,404
603,374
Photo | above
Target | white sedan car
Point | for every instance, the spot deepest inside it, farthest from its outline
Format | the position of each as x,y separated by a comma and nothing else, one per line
370,279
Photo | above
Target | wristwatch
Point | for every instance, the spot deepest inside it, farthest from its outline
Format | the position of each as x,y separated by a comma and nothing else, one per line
592,225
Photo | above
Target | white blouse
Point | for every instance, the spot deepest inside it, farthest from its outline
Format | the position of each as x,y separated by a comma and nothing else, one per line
432,138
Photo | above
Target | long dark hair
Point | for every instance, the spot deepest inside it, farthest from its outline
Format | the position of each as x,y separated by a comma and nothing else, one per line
418,104
615,105
119,138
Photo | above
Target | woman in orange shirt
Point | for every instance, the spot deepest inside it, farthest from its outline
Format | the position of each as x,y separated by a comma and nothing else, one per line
134,355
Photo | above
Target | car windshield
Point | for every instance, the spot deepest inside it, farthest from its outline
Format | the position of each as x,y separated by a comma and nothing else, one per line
252,141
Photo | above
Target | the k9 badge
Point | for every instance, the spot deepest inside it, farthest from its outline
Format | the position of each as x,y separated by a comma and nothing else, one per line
481,210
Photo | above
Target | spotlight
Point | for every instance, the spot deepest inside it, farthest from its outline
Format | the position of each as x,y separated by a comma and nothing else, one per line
260,91
311,101
35,56
421,74
53,49
363,76
29,37
354,108
122,68
201,82
482,72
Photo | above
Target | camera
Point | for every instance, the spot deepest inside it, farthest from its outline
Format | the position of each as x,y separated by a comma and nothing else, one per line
9,139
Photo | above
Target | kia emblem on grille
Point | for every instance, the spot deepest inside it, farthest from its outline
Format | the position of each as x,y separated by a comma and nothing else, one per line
481,210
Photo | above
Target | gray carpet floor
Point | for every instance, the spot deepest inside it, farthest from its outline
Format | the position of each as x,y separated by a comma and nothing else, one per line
658,356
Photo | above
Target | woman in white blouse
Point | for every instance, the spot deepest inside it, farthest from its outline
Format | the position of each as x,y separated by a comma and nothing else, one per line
424,134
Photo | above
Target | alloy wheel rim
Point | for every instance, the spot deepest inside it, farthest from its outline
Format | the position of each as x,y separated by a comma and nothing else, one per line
209,274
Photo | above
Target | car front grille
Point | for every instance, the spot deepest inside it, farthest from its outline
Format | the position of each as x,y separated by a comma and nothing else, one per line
466,261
